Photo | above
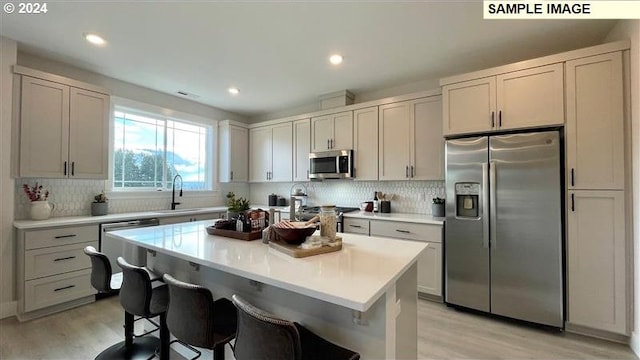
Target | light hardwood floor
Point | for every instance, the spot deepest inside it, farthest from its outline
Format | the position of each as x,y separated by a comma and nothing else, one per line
444,333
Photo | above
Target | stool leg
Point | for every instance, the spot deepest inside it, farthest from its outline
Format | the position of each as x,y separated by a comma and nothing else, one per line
128,330
164,337
218,352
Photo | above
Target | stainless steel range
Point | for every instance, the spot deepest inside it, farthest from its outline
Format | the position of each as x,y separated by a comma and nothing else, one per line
308,212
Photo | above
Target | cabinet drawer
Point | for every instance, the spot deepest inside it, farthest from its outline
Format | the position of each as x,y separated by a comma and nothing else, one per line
356,226
56,260
60,236
410,231
57,289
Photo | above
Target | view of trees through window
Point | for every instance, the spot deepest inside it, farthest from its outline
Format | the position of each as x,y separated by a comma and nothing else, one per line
150,151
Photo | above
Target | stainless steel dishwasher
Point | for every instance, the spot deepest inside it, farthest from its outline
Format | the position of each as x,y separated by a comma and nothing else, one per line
114,247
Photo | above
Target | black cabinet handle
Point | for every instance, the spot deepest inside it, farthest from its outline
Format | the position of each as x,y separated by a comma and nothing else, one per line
64,236
73,168
232,175
64,288
65,168
500,118
65,258
413,172
403,231
406,171
493,122
573,203
355,226
328,146
573,177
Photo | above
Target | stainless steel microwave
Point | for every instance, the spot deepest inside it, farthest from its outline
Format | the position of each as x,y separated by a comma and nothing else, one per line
334,164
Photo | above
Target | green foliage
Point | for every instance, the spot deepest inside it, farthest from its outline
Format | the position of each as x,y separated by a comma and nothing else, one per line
237,205
139,169
437,200
100,198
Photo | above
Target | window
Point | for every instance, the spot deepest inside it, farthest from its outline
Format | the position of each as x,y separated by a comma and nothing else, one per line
149,150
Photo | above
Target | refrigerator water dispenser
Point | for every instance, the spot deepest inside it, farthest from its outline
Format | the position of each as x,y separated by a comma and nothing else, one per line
467,195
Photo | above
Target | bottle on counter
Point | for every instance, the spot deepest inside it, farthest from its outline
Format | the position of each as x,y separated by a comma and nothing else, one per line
376,203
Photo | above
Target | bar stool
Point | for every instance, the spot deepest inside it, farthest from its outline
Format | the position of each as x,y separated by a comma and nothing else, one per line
266,337
101,275
138,297
194,318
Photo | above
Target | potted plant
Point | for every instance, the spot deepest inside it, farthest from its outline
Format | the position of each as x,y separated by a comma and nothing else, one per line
236,206
437,208
40,207
99,206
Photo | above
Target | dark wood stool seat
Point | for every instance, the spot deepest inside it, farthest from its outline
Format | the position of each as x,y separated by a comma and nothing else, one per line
195,319
266,337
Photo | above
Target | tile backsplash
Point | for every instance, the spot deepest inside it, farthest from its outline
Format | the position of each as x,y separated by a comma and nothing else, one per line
73,197
409,196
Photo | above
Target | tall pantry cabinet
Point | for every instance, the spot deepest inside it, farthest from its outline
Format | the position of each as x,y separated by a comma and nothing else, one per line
596,236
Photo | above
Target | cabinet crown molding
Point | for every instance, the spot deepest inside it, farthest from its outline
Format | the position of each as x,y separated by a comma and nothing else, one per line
21,70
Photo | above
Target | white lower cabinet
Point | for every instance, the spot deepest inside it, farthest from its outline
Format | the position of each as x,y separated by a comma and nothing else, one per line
53,273
596,260
190,218
429,262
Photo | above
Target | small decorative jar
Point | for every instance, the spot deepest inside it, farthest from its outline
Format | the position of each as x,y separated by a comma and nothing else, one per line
40,210
328,221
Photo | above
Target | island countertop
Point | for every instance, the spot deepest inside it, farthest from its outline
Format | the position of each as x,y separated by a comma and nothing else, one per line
354,277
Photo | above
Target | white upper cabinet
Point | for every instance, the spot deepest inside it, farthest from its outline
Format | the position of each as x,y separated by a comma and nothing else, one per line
332,132
233,150
519,99
595,123
302,147
63,131
410,140
365,143
271,153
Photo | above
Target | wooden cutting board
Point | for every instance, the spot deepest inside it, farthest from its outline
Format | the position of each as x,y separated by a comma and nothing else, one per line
296,252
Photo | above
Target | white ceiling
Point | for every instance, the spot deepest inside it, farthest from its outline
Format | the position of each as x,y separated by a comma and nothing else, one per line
276,52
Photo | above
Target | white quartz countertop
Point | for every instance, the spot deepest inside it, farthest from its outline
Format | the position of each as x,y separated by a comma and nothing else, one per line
85,220
354,277
411,218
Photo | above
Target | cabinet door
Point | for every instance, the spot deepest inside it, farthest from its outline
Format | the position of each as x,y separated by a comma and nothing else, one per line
44,129
430,270
342,138
302,145
595,123
427,142
395,130
239,155
88,134
282,160
469,106
233,153
259,153
321,133
597,260
365,143
531,97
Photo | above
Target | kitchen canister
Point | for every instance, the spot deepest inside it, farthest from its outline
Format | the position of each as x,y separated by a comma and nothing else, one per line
273,200
328,221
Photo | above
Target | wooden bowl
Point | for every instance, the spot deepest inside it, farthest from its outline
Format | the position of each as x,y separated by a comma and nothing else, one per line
293,232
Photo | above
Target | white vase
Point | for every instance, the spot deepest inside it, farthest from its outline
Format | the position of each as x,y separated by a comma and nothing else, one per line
40,210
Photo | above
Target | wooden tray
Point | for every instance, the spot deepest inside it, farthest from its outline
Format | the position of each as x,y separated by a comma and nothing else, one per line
254,235
296,252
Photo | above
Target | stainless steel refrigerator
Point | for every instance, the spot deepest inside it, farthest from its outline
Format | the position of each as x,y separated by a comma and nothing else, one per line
503,249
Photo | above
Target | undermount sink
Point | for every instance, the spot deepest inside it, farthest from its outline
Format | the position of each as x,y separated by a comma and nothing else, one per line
175,211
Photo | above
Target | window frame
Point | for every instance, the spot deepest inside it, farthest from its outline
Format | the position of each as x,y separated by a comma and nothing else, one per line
144,109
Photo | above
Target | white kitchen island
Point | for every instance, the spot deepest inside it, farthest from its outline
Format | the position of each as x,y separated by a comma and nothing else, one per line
363,297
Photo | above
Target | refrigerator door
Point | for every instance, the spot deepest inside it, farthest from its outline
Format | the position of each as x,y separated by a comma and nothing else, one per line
466,231
526,232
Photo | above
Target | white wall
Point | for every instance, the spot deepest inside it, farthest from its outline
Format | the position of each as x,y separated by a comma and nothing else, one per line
8,55
630,29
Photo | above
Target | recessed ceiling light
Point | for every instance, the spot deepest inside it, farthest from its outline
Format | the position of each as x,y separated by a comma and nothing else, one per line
335,59
95,39
233,90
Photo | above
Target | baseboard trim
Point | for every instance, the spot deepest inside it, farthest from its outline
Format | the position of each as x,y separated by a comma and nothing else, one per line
634,343
430,297
596,333
8,309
